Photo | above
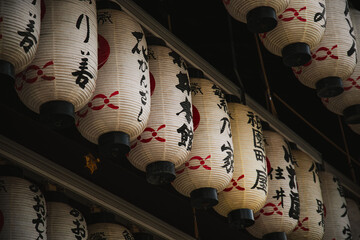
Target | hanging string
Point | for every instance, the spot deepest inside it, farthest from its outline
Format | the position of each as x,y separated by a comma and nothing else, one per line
196,230
269,99
347,150
234,61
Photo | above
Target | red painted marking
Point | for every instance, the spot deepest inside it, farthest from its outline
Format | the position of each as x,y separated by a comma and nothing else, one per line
194,167
235,185
1,220
273,209
106,101
350,83
226,2
196,117
103,51
154,135
43,9
268,165
296,14
300,225
152,84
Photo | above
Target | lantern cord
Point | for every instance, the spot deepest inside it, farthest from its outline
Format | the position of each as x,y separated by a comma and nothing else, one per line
234,61
269,99
314,128
347,150
196,229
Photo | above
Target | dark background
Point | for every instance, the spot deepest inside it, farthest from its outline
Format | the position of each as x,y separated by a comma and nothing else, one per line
204,27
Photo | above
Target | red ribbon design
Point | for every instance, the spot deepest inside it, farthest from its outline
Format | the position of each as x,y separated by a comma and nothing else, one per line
273,209
353,83
296,14
235,184
300,225
194,167
106,101
154,135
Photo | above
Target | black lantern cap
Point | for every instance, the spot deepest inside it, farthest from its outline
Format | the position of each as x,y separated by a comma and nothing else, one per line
55,196
161,172
114,145
7,71
241,218
57,114
261,19
296,54
101,217
275,236
142,236
204,198
352,114
195,73
11,171
106,4
152,40
329,87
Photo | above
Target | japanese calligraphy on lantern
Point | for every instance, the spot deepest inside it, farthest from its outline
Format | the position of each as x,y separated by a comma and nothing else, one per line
79,225
40,208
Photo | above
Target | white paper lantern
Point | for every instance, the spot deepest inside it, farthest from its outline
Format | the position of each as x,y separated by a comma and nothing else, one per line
280,214
337,225
120,107
63,221
209,167
22,207
354,218
163,145
104,226
311,222
20,22
300,29
348,103
242,198
61,79
260,15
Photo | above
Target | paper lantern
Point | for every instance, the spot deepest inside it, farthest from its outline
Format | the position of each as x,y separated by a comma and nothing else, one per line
20,22
354,218
334,59
337,225
260,15
63,221
62,76
280,214
119,109
311,222
348,103
165,142
210,165
244,196
22,207
104,226
300,29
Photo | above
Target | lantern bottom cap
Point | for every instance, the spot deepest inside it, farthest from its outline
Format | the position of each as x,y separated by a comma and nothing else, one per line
296,54
352,114
142,236
57,114
114,145
161,172
204,198
241,218
261,19
329,87
275,236
11,171
7,71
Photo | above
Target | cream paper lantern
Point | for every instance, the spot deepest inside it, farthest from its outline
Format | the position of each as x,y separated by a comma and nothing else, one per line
354,218
337,225
165,143
260,15
280,214
62,77
210,165
311,222
244,195
334,59
348,103
300,29
20,22
104,226
22,207
63,221
120,107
